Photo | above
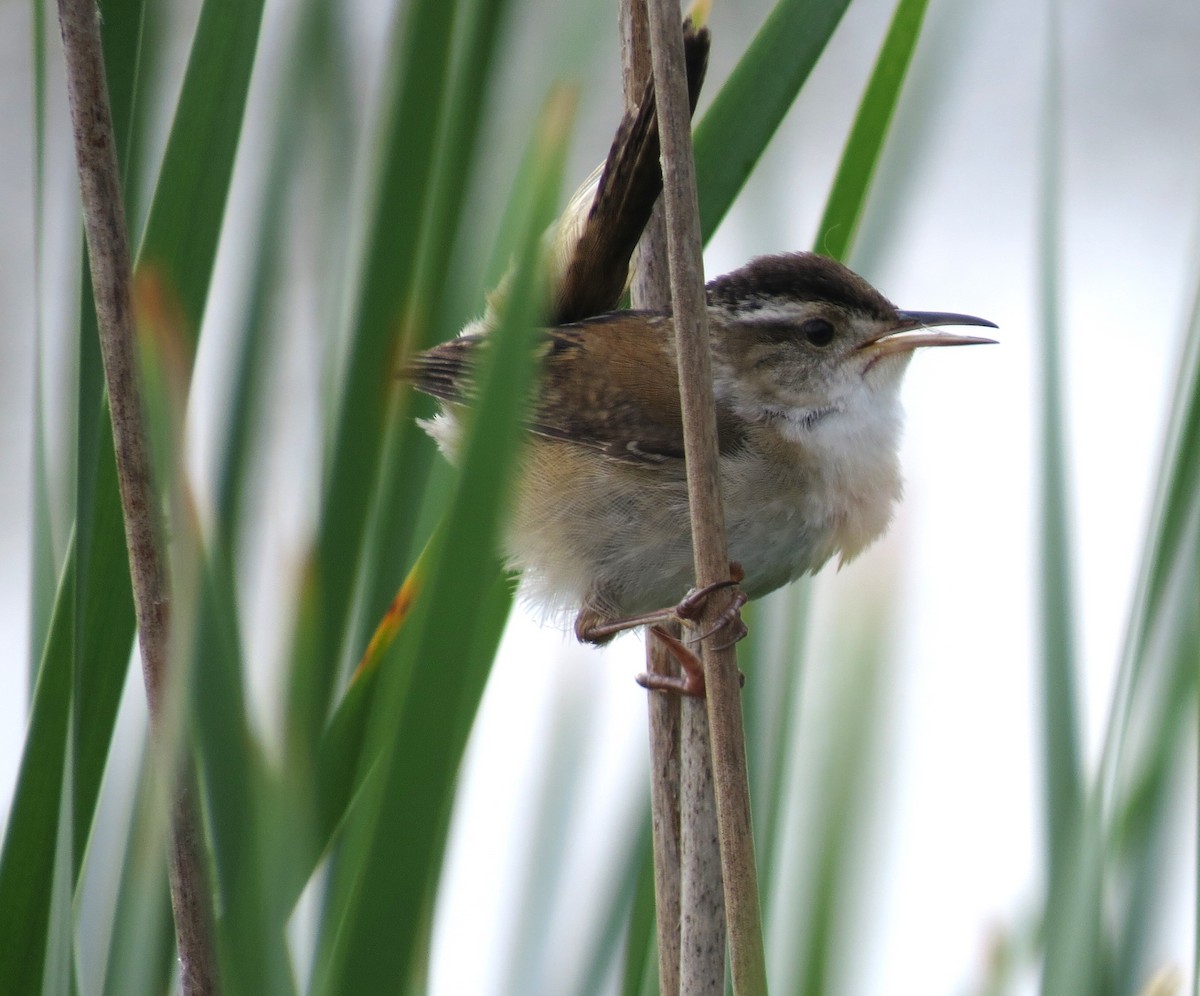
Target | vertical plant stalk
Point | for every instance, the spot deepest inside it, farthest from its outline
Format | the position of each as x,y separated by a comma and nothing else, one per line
651,289
1062,791
108,252
722,679
1073,938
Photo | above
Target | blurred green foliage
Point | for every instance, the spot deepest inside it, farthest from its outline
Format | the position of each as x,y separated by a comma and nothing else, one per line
352,799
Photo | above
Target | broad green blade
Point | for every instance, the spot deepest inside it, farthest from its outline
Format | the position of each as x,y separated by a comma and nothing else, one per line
774,664
1062,792
1169,552
1072,835
640,974
242,804
747,111
407,138
44,559
1075,959
31,908
1154,709
261,841
258,339
394,535
260,838
340,770
45,553
188,207
77,689
628,927
1119,855
375,924
542,855
849,755
309,121
1144,846
847,200
141,948
121,36
102,603
103,622
100,608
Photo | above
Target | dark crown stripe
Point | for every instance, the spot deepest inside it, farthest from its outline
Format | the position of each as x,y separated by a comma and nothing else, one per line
799,276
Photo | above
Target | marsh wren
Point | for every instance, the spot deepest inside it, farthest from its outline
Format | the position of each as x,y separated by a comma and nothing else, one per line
807,360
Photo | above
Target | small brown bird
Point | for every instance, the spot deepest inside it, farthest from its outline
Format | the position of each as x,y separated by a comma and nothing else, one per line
807,362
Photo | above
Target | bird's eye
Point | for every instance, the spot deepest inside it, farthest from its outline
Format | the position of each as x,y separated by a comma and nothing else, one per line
818,331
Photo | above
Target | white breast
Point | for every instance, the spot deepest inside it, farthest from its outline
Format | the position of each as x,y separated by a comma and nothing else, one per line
832,484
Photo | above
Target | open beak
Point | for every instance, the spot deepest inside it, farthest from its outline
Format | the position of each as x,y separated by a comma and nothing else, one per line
914,329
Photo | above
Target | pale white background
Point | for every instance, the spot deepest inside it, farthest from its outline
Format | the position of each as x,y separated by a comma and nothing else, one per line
956,825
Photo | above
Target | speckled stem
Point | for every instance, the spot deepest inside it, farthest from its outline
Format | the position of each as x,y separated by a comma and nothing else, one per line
108,251
651,289
712,565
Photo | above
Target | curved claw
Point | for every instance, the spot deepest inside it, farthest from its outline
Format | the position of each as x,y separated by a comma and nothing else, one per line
731,618
690,682
693,602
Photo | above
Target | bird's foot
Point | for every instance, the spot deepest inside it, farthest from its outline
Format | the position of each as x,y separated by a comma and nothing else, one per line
593,627
691,681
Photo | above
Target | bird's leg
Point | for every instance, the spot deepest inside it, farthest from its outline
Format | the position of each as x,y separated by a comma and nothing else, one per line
593,626
691,682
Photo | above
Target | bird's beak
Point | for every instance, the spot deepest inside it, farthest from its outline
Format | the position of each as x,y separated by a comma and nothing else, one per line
914,329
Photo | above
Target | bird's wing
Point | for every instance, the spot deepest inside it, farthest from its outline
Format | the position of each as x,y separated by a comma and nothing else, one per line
600,387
